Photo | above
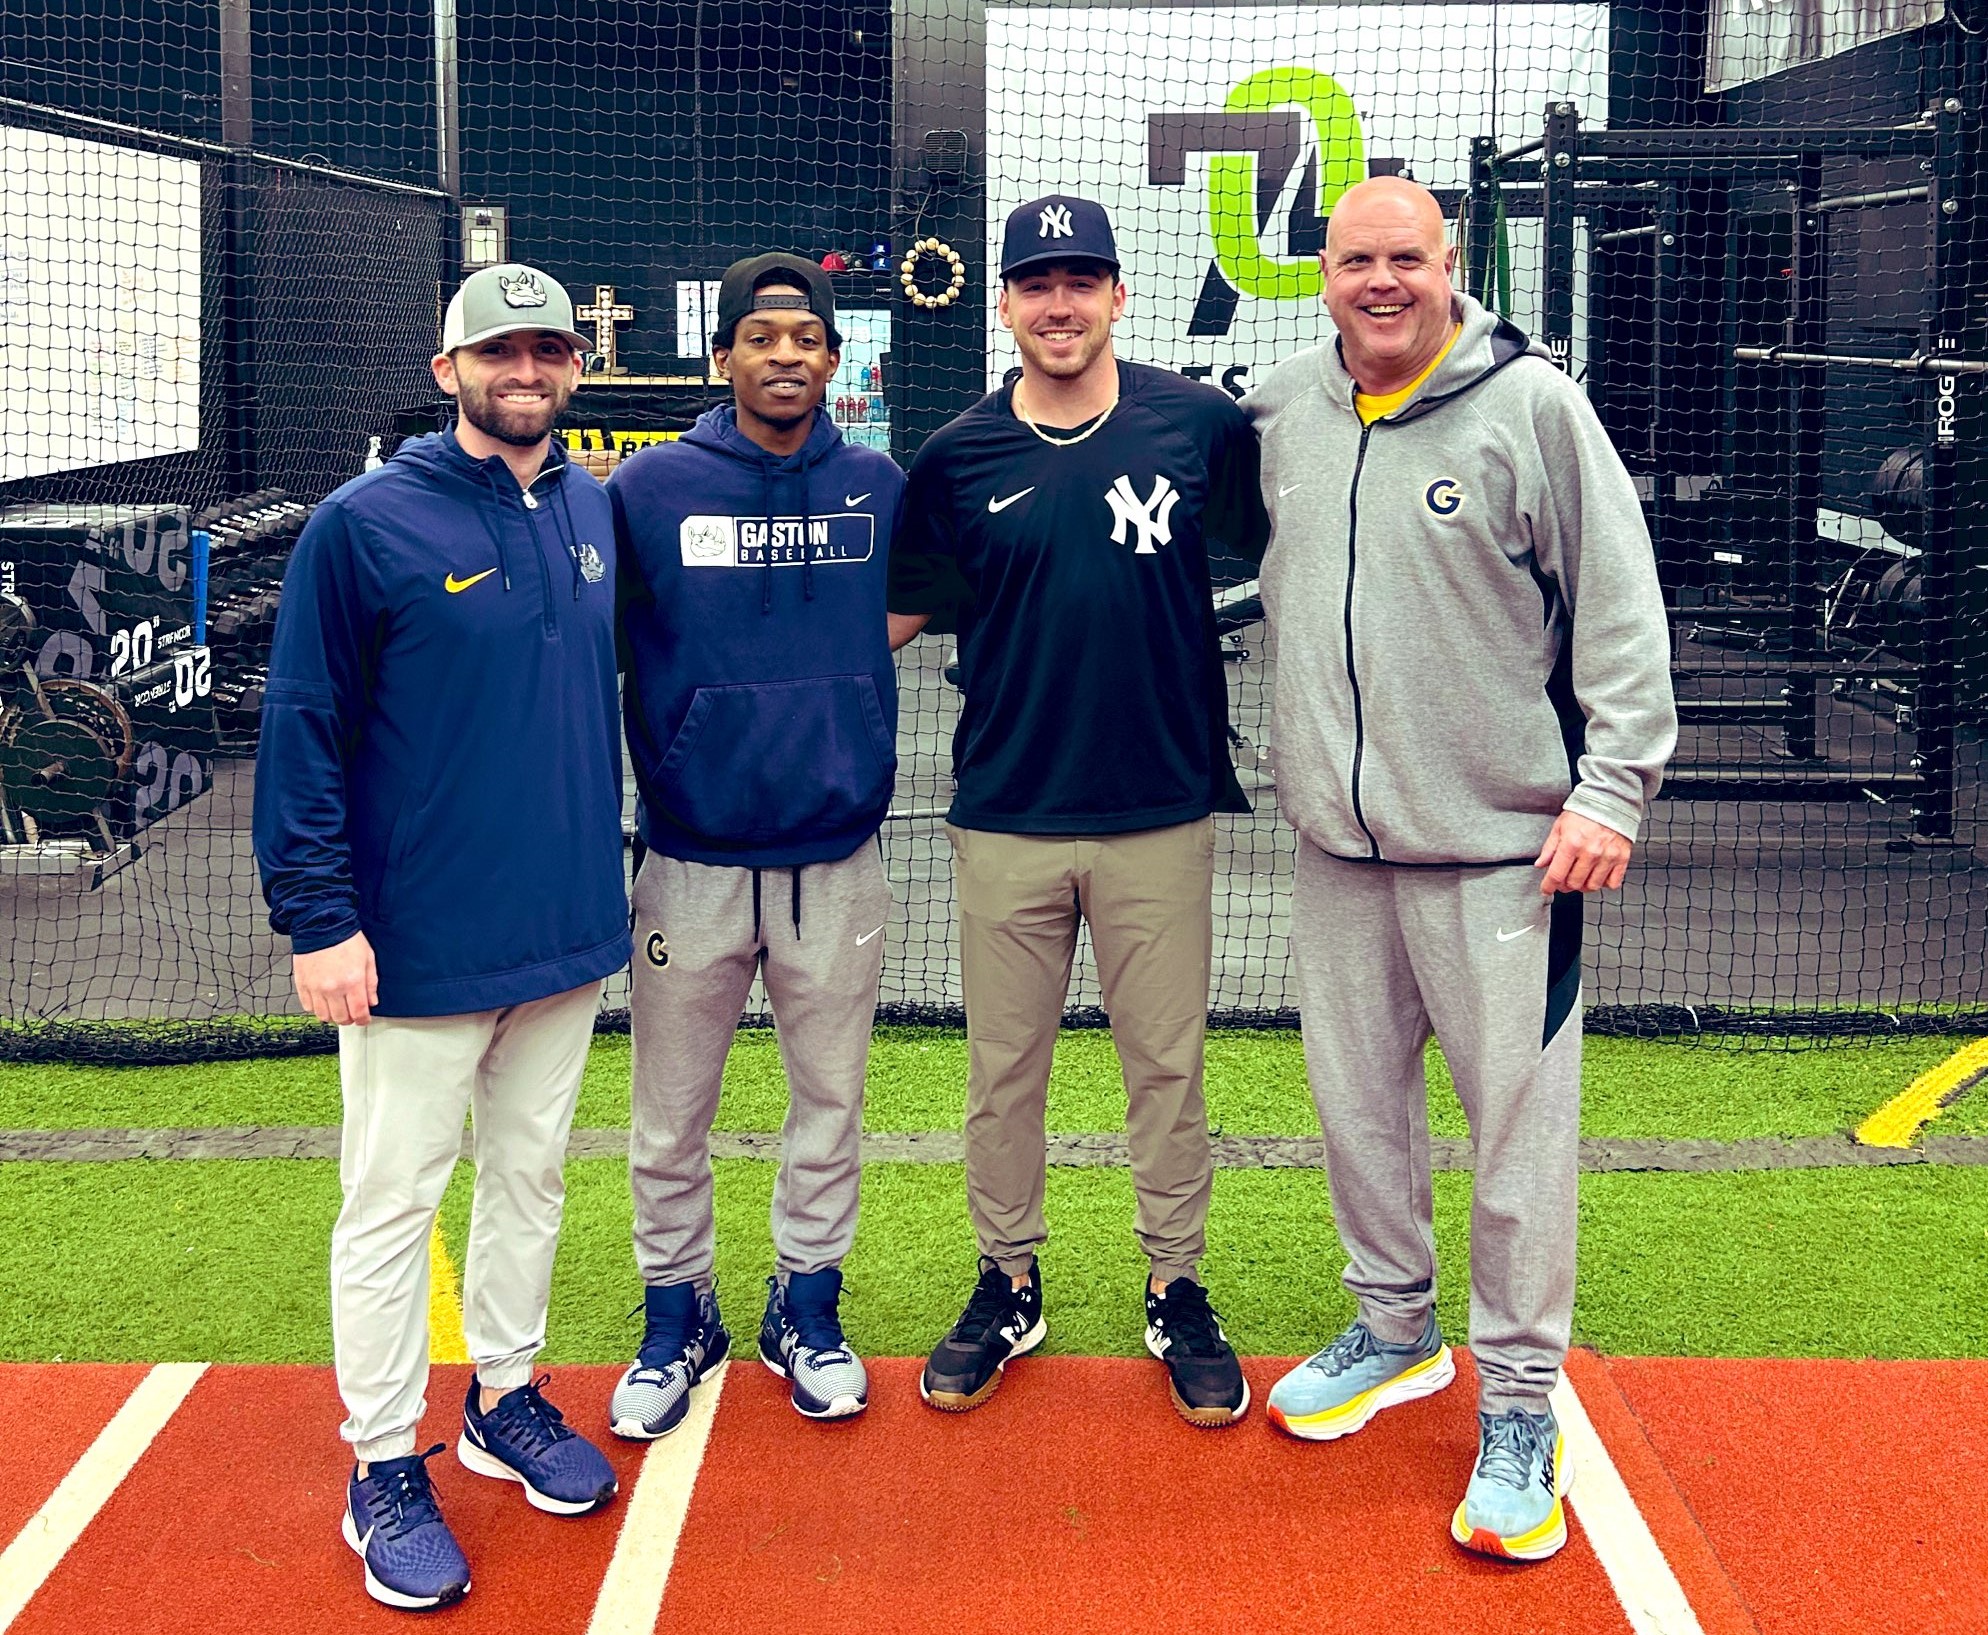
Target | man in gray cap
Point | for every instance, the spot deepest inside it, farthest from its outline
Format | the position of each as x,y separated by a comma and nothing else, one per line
438,828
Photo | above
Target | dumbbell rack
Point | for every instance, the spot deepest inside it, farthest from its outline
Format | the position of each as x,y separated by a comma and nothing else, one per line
111,702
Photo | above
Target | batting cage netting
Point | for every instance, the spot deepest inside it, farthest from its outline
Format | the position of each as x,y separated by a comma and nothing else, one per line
1753,232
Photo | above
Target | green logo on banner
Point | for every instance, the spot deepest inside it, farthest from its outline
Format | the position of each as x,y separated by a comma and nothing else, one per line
1274,122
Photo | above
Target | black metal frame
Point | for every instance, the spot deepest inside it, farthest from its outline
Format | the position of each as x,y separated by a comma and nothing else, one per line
1597,174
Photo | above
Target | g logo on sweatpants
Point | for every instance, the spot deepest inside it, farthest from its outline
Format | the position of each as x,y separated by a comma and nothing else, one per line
658,950
1443,496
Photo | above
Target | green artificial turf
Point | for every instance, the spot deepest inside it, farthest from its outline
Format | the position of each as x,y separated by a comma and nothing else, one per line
226,1261
1256,1086
1966,1114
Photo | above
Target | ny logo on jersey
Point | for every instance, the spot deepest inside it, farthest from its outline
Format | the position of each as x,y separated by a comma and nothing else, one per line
1148,516
1055,222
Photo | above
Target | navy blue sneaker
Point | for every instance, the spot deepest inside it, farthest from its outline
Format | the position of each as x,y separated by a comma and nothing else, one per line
683,1340
525,1439
393,1521
801,1340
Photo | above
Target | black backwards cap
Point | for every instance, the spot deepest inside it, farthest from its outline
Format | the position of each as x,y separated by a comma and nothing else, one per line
1060,227
738,293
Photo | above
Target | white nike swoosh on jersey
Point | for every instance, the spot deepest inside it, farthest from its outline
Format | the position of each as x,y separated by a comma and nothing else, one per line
854,500
996,507
1292,488
1507,936
866,936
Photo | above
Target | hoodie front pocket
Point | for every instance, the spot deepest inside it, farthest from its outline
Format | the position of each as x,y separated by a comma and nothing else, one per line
779,761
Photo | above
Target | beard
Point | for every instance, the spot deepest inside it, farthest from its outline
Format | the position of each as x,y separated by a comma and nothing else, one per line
519,427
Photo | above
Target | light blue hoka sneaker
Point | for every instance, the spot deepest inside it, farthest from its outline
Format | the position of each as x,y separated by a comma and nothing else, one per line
1337,1391
1512,1507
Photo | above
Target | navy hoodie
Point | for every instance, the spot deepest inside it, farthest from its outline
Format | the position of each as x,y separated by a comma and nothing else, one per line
438,765
761,700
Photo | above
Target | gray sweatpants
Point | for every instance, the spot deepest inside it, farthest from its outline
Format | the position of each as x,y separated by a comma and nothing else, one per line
700,933
1384,955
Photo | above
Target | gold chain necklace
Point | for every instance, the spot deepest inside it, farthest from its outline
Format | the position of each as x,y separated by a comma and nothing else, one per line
1061,442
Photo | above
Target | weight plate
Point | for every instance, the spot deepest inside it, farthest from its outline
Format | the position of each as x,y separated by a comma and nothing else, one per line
99,710
17,628
56,772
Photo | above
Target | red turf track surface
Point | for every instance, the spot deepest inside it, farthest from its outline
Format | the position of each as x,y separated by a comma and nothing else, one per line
1791,1498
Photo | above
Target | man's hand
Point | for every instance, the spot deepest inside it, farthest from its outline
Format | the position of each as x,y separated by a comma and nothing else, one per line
339,984
1582,855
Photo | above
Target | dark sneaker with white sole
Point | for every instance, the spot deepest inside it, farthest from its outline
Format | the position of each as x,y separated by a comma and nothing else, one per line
683,1341
801,1340
999,1324
394,1522
1183,1331
525,1439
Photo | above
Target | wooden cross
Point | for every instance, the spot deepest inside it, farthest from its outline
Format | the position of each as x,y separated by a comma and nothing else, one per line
604,314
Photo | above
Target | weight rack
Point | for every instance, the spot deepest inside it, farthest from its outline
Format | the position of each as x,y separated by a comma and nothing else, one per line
1603,175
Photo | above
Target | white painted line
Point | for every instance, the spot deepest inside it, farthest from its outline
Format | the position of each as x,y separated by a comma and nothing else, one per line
1649,1591
631,1595
39,1547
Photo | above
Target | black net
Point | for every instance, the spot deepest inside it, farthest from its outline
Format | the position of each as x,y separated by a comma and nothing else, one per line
1753,234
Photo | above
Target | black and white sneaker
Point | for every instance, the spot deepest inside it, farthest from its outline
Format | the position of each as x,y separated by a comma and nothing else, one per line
1000,1322
1183,1331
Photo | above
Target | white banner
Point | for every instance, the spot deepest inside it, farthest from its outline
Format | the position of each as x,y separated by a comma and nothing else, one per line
1751,39
99,304
1217,137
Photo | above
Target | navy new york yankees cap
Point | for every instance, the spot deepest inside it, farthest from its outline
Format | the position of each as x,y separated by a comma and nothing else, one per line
1061,227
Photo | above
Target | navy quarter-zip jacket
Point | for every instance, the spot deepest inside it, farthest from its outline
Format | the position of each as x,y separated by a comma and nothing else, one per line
761,699
439,764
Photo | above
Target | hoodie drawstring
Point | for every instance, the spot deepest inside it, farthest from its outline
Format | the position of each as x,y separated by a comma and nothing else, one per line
766,578
807,594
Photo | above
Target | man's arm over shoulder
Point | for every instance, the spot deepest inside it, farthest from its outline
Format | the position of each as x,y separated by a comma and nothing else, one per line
1590,538
328,627
925,577
1236,526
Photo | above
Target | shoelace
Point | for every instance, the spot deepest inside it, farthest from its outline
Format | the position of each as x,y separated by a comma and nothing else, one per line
1356,1344
403,1498
1190,1322
662,1344
819,1328
994,1297
1511,1443
526,1420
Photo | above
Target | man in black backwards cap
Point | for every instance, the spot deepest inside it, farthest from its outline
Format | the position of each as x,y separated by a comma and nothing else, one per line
1067,520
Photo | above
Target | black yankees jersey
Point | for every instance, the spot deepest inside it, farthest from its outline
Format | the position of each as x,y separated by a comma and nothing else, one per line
1095,696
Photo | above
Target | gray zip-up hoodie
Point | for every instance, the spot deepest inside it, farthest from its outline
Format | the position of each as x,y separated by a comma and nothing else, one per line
1470,636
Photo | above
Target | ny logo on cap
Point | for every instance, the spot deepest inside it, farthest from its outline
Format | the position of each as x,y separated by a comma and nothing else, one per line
1056,222
523,291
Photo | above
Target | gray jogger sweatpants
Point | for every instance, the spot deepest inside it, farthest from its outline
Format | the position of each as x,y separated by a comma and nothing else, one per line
1384,955
700,932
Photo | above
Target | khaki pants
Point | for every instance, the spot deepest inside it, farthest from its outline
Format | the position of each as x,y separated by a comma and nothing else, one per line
407,1081
1146,897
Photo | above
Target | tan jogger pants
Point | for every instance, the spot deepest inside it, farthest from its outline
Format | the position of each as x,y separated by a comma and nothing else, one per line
1146,897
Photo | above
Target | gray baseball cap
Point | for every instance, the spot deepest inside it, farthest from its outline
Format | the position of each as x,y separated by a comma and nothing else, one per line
500,300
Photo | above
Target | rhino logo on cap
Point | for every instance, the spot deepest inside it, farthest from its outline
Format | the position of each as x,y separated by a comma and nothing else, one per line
522,291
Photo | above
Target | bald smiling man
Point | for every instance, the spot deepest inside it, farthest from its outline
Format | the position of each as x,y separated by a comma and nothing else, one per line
1473,712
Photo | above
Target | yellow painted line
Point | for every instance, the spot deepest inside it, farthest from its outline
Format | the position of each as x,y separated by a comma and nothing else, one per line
1919,1103
445,1340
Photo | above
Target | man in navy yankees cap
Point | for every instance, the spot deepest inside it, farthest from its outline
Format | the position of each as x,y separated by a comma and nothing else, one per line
1065,523
1057,227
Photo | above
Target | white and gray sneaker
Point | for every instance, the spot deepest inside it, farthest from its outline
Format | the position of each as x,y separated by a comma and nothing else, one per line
801,1341
683,1340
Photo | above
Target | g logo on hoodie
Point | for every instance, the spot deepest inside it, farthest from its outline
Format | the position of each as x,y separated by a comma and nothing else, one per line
1443,497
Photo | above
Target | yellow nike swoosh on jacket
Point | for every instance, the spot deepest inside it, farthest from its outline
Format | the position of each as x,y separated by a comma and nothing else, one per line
453,585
